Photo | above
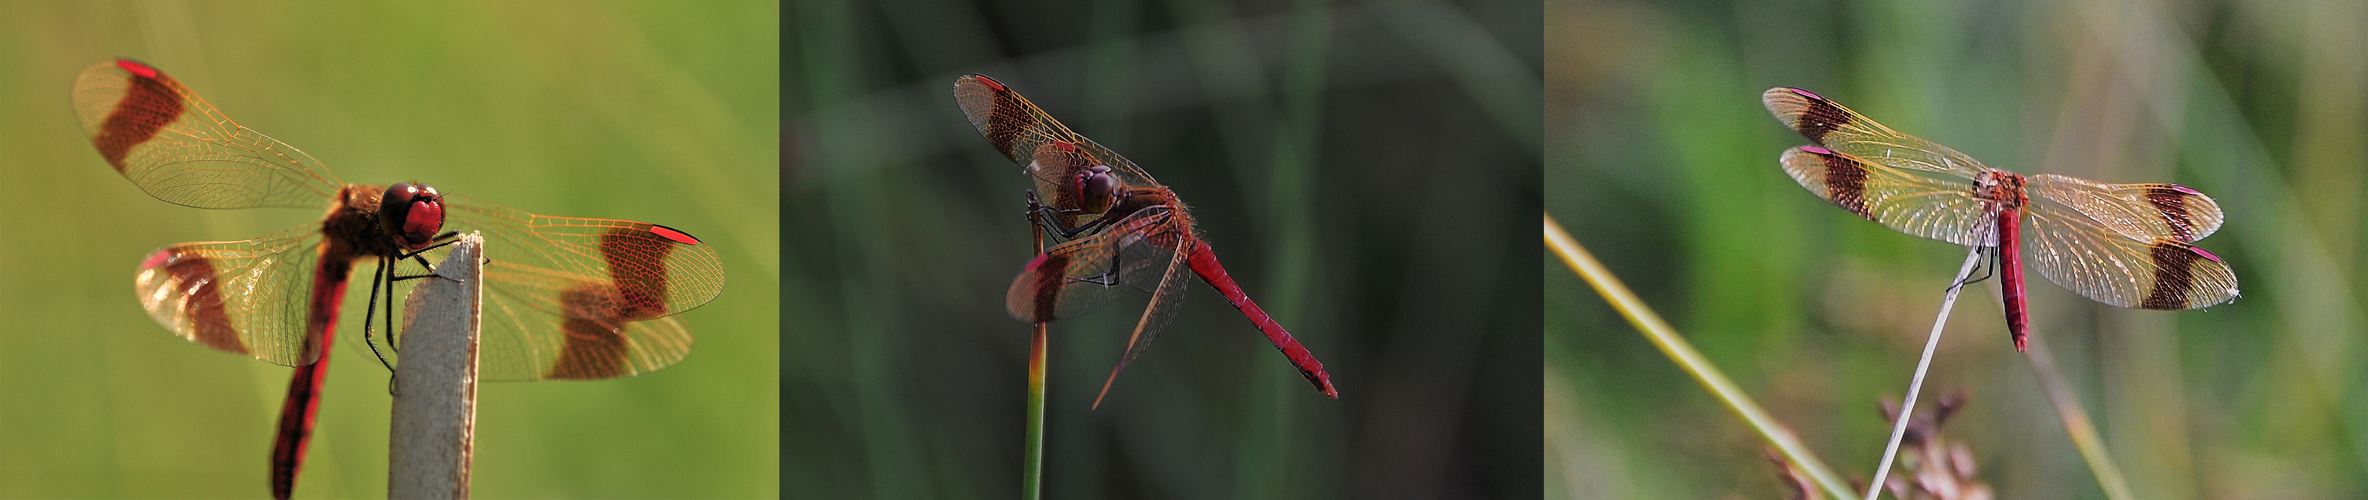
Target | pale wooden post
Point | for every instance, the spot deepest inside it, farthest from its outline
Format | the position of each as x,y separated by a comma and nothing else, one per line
435,407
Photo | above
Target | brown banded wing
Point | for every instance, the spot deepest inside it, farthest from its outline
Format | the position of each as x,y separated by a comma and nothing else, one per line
1081,275
1909,201
248,297
570,298
1839,129
178,148
1145,252
1018,129
2141,212
2105,265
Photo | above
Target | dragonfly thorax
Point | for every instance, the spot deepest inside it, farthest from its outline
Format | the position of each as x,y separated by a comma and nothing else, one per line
2001,187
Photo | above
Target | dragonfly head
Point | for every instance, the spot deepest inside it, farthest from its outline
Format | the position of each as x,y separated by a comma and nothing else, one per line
413,213
1096,188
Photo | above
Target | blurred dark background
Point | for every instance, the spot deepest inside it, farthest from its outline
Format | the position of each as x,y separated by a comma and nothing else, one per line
1660,158
1367,170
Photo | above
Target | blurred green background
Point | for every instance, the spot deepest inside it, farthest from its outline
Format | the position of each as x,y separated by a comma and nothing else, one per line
1366,170
656,112
1660,158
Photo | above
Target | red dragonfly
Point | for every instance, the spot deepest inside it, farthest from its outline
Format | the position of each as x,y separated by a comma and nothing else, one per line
565,298
2129,245
1129,232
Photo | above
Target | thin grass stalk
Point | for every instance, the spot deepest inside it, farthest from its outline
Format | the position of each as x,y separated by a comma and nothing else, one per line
2077,424
1679,351
1899,422
1032,465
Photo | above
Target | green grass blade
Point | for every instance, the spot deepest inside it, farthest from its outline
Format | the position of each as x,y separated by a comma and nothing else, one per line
1666,338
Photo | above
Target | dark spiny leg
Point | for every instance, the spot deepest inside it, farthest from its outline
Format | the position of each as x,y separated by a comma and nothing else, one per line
1049,217
447,239
370,312
389,264
1989,269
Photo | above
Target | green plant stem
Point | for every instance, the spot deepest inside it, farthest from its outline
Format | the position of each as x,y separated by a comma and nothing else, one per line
2076,423
1899,422
1032,465
1675,346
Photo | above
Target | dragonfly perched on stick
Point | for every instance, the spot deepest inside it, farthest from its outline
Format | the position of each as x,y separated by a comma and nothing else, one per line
566,298
2129,245
1129,232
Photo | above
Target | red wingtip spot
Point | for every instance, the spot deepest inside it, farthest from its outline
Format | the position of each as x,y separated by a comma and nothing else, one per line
141,69
1808,94
1064,145
2184,189
1817,150
1034,263
156,260
2200,251
671,234
990,83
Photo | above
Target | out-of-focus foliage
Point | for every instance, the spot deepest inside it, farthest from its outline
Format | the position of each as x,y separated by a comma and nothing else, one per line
657,112
1660,158
1367,171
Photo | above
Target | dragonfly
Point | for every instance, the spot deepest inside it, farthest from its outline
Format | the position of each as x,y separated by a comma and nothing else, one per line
2128,245
1125,232
565,298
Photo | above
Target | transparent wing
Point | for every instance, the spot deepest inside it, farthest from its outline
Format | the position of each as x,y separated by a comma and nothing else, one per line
2102,264
1165,302
1080,276
1838,128
174,146
543,324
1916,202
2142,212
1017,128
252,297
570,298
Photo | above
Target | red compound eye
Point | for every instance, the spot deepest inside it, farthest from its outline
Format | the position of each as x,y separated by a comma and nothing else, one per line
413,213
1096,185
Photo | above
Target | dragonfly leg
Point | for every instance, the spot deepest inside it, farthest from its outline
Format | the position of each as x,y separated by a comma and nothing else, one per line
1989,269
419,256
370,312
446,239
1047,216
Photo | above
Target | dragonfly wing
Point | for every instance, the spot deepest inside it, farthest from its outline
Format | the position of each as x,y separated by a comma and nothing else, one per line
1840,129
1917,202
570,298
174,146
252,297
2142,212
1125,169
668,268
1012,124
2102,264
1165,302
545,324
1018,129
1077,277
